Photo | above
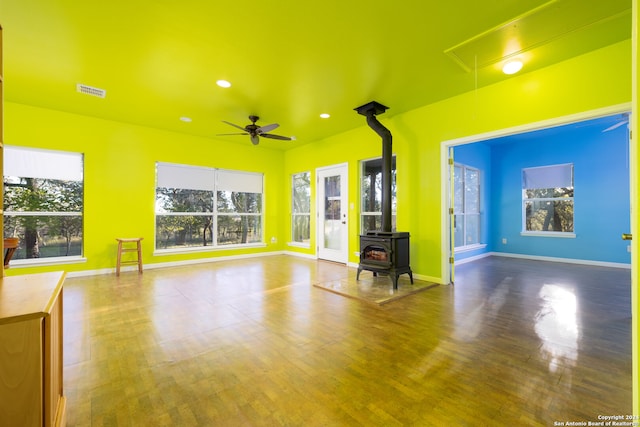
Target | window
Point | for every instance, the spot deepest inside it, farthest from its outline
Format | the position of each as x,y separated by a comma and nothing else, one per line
301,208
466,206
371,192
198,207
547,199
43,202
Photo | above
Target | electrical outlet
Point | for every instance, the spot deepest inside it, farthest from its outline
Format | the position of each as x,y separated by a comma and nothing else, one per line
629,248
274,240
504,241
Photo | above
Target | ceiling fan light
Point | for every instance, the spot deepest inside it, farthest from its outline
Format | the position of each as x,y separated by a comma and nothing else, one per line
512,67
325,115
223,83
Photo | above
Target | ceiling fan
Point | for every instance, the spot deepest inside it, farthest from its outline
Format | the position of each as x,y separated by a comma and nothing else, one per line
622,120
255,131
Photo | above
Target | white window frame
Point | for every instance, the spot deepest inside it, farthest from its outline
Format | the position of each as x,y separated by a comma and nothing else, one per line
30,162
214,180
363,212
295,214
467,247
543,177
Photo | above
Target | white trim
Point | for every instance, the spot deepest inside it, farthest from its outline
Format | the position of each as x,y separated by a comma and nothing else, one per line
42,262
169,264
469,248
555,234
215,248
543,124
473,258
41,213
299,245
301,255
564,260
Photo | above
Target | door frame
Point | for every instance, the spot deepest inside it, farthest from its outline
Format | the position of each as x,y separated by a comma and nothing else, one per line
448,254
343,171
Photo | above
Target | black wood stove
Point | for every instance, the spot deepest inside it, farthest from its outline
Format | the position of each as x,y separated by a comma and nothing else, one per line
383,251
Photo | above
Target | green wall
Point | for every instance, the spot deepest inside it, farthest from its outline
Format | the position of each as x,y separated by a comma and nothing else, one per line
119,181
592,81
120,160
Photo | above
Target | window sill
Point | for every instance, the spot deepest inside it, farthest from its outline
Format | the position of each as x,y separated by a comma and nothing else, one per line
469,248
548,234
41,262
174,251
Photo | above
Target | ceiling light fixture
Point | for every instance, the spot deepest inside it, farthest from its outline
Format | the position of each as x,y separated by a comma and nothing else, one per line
186,119
512,67
325,115
223,83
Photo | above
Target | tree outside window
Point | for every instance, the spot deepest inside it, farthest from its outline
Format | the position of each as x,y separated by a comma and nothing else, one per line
371,195
43,202
301,208
201,207
547,199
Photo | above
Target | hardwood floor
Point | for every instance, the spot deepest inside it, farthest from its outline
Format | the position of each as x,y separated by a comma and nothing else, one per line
253,343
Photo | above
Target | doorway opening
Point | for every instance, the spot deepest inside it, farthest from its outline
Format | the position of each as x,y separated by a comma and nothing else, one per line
503,213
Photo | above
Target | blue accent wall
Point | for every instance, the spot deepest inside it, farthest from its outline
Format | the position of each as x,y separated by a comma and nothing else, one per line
601,189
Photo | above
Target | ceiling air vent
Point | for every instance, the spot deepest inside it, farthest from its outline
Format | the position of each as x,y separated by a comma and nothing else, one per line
93,91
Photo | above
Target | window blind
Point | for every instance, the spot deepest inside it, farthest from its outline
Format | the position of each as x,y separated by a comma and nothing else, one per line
555,176
47,164
171,175
242,182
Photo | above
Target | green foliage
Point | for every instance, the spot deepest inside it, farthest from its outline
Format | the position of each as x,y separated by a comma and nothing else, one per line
51,197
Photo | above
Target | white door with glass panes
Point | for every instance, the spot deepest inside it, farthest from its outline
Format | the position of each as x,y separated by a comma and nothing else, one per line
332,202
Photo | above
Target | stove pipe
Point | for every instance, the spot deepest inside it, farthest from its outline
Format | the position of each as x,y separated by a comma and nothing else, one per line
370,111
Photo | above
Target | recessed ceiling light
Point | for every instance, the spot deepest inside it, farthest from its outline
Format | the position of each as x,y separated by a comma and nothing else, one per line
512,67
223,83
186,119
325,115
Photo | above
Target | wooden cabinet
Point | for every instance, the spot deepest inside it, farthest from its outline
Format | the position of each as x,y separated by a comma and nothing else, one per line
31,390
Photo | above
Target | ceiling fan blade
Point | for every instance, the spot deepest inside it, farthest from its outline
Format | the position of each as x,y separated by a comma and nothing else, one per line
267,128
226,134
617,125
235,126
272,136
255,140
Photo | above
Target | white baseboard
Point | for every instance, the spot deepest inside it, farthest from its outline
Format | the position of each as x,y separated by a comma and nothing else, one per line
300,255
473,258
565,260
171,264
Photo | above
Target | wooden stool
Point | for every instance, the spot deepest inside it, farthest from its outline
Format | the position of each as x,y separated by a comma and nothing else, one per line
137,249
10,245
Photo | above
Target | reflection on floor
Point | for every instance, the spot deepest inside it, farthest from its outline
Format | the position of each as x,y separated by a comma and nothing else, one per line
252,342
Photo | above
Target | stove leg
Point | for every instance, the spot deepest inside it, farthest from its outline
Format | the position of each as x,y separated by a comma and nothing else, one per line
411,276
394,277
358,274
